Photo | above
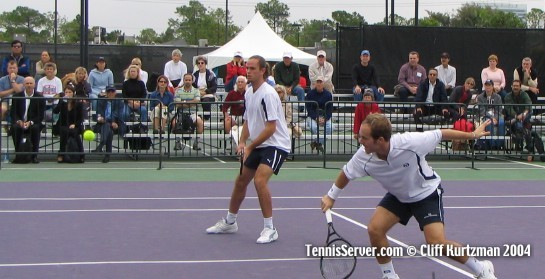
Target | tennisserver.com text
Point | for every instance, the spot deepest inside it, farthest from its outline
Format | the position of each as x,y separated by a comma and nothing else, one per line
347,251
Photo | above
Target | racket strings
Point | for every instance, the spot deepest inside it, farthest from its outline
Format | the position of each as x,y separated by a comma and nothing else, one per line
334,264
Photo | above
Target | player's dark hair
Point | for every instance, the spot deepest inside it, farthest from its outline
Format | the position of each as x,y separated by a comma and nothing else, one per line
380,126
262,64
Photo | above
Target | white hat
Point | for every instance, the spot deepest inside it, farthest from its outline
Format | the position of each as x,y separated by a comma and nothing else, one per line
321,52
238,53
287,54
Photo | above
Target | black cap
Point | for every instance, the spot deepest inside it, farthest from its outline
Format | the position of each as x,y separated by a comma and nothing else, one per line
110,88
445,55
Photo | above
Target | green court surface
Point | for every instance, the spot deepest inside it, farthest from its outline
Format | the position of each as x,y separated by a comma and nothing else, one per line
219,170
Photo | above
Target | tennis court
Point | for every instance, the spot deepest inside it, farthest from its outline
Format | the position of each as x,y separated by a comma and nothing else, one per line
129,220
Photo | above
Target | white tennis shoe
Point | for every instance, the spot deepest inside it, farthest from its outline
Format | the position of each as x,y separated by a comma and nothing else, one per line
223,227
390,276
488,271
267,236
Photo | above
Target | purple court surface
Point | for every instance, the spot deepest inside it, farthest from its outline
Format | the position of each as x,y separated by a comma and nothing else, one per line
156,230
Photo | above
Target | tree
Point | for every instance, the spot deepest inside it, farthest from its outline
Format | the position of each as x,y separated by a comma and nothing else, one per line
315,31
344,18
436,18
275,13
69,31
25,21
111,37
472,15
534,18
148,36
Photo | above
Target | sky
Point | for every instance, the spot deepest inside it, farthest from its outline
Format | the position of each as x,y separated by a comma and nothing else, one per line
131,16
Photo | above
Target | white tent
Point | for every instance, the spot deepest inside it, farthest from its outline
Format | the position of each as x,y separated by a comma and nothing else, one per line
257,38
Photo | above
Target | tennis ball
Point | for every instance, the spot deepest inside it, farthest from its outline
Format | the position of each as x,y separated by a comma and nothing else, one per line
88,135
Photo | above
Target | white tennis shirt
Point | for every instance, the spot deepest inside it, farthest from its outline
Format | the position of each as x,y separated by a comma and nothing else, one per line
406,173
264,105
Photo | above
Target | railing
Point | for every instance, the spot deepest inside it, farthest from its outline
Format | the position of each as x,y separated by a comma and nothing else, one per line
214,142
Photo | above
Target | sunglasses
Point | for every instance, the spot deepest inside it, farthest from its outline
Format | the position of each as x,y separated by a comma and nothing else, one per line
470,83
201,63
162,81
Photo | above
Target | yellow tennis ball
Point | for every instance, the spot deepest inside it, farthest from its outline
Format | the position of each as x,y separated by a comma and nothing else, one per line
88,135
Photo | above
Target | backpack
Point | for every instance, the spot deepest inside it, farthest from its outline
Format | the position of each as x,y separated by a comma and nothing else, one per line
24,146
72,151
184,124
462,125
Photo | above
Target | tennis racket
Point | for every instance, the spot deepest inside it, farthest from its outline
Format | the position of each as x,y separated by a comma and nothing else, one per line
235,136
336,266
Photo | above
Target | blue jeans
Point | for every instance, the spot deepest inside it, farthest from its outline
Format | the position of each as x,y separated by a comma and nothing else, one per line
314,129
142,110
359,97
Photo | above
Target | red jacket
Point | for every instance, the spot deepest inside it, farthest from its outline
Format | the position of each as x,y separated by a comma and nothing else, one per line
361,113
233,71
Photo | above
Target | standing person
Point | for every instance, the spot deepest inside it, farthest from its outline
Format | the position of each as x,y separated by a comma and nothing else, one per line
175,69
321,68
365,76
265,125
23,63
99,78
446,73
398,163
235,68
44,59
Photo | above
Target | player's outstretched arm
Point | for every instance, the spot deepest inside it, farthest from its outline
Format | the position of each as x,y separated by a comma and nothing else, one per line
329,199
450,134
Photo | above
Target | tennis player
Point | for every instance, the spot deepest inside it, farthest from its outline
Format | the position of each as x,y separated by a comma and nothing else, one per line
265,126
398,163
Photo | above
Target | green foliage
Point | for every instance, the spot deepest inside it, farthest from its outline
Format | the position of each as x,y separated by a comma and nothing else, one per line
534,17
25,21
346,19
316,30
472,15
275,14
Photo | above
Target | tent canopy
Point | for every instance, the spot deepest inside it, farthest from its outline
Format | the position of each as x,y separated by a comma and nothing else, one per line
257,38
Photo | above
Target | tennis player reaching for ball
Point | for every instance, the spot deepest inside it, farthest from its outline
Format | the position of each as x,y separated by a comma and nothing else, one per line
265,126
398,163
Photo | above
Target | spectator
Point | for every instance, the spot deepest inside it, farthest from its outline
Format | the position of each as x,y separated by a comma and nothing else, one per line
365,76
363,109
27,116
133,87
489,103
82,86
495,74
460,98
44,59
432,92
160,101
143,74
110,120
293,129
175,69
185,97
321,68
235,68
233,112
205,80
320,110
70,123
287,73
23,63
446,73
518,112
528,78
50,87
99,78
10,84
411,75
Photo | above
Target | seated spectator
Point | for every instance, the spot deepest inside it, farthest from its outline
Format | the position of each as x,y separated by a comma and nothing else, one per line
70,123
495,74
235,68
489,103
133,87
287,73
366,107
365,75
110,120
411,75
518,111
50,87
233,112
293,129
320,110
432,92
186,97
528,78
10,84
321,68
143,74
460,98
99,78
175,69
160,101
27,118
22,62
446,73
206,81
44,59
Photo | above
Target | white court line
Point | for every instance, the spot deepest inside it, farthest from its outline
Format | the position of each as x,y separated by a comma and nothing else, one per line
405,246
252,198
245,209
519,162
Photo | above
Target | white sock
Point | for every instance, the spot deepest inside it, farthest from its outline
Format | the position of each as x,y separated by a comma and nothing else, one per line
268,223
475,265
231,218
387,269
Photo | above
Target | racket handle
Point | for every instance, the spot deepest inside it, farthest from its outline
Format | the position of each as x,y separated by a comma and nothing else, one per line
328,216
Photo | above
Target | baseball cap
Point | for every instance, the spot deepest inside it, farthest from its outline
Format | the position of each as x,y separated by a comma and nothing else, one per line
110,88
489,82
101,58
445,55
321,52
319,78
365,52
287,54
238,53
